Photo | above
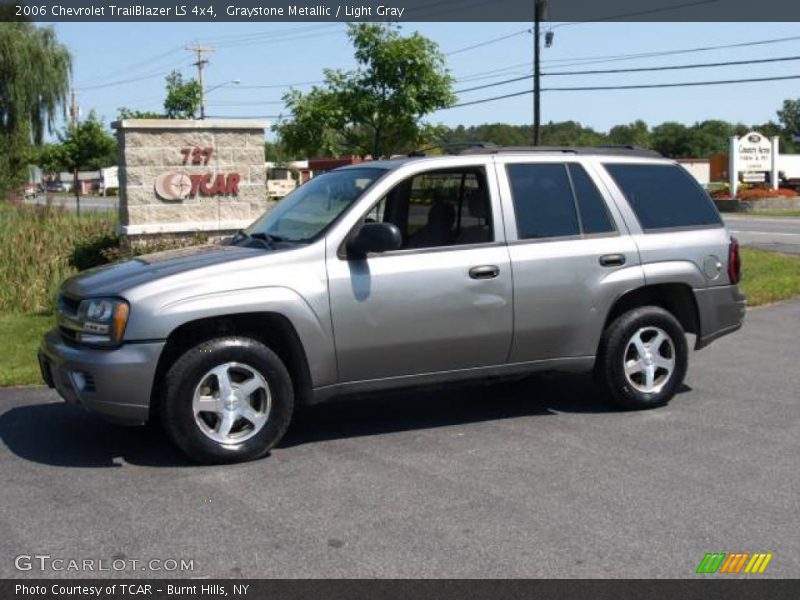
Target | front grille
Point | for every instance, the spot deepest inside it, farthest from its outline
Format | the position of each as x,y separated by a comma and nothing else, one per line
67,318
68,334
67,306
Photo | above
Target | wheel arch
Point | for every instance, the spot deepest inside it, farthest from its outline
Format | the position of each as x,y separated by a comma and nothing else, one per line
273,329
676,298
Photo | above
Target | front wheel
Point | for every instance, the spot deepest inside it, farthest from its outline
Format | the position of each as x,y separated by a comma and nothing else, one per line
643,358
227,400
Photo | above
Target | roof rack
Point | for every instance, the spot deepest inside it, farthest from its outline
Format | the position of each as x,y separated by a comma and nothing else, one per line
622,150
457,148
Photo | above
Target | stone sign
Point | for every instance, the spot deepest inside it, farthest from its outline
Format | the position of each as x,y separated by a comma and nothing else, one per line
188,177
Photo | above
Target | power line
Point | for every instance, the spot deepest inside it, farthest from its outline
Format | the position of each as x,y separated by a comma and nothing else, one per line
151,75
639,13
278,85
644,86
588,60
488,42
133,67
628,87
223,39
634,70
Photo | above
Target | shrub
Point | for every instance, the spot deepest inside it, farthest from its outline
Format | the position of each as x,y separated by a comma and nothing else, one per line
759,193
36,244
107,249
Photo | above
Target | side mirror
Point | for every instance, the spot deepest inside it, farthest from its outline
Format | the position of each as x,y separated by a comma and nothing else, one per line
374,237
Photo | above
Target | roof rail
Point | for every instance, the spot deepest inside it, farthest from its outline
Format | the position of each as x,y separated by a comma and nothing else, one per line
622,150
458,148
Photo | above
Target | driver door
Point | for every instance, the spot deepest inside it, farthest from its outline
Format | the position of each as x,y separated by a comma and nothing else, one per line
443,301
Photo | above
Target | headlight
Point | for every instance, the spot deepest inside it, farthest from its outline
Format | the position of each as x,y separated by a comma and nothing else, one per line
102,321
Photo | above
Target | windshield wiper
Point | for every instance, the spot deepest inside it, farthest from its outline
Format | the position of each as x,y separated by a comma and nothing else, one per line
242,235
269,237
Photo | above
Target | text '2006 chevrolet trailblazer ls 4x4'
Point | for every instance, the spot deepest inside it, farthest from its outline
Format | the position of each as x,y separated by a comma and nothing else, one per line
406,272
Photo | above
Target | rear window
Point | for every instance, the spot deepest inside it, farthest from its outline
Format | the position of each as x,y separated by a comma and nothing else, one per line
593,211
543,201
664,196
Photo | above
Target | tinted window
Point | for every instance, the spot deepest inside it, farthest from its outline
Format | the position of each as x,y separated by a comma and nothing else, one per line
664,196
439,208
543,201
592,207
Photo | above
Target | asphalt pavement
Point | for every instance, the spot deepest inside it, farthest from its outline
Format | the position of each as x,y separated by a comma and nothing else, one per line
781,234
537,478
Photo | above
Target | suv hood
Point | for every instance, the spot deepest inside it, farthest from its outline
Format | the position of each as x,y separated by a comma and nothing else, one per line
111,280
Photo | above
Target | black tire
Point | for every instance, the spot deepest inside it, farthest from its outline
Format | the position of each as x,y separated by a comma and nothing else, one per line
189,371
617,348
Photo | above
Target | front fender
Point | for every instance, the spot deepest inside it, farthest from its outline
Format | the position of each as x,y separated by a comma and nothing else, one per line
314,330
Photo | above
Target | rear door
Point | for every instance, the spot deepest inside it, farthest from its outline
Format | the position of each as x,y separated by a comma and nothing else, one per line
570,251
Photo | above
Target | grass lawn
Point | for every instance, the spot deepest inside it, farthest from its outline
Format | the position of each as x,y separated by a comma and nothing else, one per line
767,277
20,335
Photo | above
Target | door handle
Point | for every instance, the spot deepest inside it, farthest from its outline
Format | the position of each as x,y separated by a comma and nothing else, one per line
484,272
612,260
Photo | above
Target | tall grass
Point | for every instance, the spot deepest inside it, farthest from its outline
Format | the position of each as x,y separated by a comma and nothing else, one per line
36,243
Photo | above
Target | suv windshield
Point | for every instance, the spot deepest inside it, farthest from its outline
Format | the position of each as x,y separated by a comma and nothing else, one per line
311,208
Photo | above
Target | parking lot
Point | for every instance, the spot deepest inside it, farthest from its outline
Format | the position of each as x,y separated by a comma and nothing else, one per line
529,479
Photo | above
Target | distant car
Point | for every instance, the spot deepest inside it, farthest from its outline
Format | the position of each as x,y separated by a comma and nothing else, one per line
58,186
416,271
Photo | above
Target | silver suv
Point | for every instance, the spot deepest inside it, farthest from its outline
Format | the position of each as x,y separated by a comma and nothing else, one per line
407,272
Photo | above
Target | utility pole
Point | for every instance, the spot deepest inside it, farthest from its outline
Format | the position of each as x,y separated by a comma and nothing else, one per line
200,64
539,14
73,123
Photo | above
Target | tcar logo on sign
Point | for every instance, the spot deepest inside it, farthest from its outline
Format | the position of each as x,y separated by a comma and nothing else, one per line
734,563
178,185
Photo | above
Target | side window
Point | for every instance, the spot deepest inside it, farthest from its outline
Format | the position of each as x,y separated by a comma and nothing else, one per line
591,205
439,208
543,200
664,196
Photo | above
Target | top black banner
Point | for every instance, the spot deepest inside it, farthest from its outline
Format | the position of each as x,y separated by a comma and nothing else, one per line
400,10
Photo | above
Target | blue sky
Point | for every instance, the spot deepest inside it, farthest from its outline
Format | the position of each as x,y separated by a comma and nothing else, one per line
265,54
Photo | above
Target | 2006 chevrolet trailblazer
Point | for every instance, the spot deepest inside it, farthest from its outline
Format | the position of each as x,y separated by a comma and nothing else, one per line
405,272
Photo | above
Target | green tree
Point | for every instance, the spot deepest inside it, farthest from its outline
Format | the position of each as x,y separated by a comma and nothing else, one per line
376,108
789,116
182,101
634,134
570,133
34,84
128,113
84,145
672,139
183,97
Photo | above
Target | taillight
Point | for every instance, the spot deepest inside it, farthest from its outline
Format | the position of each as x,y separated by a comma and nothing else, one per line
734,262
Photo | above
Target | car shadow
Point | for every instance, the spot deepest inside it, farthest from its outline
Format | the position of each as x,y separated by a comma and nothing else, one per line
61,435
536,395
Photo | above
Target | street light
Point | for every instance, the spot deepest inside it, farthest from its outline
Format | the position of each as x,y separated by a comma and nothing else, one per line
211,89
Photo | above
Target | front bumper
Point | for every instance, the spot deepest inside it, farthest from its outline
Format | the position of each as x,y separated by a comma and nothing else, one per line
721,310
115,384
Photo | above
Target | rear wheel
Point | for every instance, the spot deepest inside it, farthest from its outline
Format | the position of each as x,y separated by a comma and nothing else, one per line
643,358
227,400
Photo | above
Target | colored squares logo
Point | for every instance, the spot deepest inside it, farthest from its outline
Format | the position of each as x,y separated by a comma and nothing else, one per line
734,563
